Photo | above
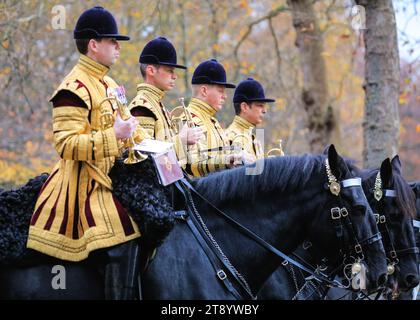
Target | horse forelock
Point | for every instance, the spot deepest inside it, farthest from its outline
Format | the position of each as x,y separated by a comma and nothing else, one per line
283,174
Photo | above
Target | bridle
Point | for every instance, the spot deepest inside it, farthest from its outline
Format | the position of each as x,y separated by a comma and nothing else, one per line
352,254
382,217
221,263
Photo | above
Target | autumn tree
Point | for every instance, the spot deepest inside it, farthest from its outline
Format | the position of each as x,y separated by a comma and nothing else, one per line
382,75
320,116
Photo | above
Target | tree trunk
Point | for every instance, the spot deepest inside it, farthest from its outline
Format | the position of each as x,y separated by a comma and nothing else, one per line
320,117
184,52
382,72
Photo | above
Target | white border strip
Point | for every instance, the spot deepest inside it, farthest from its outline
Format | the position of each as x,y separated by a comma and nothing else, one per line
354,182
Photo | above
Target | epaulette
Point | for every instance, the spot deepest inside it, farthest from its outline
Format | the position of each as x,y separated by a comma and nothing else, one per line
76,87
141,101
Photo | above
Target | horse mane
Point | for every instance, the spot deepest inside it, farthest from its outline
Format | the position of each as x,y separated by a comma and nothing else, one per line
405,198
287,173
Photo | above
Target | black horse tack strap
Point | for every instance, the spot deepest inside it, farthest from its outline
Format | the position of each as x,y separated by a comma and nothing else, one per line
215,262
218,262
319,276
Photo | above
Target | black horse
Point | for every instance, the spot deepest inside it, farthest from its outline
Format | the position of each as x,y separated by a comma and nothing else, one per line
394,215
397,209
412,294
290,201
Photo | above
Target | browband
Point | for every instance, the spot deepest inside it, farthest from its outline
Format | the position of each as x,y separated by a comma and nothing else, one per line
353,182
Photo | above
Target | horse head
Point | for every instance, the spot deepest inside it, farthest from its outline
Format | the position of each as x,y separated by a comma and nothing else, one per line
350,228
392,202
398,207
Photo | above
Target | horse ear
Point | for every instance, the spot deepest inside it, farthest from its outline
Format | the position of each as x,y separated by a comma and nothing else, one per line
326,149
396,164
386,171
337,164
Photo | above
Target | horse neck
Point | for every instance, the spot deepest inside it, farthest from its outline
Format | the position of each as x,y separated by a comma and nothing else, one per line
282,219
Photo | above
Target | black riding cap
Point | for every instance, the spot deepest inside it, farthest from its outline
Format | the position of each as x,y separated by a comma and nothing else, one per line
160,51
250,90
95,23
211,72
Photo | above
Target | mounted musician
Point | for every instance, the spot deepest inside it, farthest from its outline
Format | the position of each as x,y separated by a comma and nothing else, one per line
213,151
76,212
250,106
158,61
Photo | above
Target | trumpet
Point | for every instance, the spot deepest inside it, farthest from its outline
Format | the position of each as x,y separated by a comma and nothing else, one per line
273,150
119,102
180,113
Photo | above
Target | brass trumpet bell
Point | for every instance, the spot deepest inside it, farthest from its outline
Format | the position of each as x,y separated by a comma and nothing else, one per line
271,152
177,118
134,156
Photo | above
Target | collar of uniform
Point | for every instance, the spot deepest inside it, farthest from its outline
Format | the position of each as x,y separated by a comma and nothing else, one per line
153,91
242,123
92,67
202,107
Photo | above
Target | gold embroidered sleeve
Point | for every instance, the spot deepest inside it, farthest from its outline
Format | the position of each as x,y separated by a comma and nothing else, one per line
147,124
201,162
180,149
73,140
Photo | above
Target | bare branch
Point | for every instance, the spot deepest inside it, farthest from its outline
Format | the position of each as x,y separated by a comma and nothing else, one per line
270,15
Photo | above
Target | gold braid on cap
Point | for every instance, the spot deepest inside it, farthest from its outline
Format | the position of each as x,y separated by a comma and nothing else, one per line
333,184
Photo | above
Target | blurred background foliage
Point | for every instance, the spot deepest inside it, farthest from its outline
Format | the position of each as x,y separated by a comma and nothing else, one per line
251,38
